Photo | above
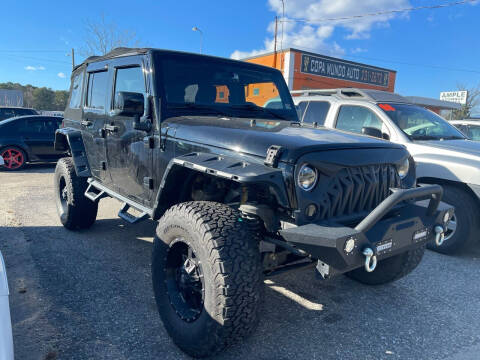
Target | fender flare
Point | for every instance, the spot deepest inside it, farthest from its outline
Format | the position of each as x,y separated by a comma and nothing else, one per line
227,168
71,139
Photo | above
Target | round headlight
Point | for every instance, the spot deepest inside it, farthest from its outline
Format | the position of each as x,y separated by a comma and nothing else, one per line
403,169
307,177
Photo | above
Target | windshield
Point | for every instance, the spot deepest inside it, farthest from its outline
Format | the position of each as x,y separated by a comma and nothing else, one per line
197,85
419,123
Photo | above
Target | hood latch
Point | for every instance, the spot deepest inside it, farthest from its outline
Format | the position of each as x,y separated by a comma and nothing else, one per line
273,155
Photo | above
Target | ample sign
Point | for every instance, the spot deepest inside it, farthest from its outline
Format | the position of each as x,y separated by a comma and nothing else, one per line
459,97
343,70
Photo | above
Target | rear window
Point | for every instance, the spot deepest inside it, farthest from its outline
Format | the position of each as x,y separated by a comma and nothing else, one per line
6,113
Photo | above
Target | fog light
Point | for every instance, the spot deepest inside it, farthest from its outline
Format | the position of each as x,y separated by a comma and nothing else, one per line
349,245
311,210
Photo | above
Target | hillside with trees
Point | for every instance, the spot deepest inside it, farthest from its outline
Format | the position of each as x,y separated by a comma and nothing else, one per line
40,98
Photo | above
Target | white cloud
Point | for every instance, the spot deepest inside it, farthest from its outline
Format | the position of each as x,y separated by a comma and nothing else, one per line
316,35
61,75
358,50
34,68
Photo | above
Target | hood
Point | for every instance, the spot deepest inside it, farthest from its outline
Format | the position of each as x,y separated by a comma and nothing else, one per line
456,160
255,136
461,148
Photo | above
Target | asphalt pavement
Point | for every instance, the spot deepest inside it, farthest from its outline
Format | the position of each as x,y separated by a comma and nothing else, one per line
88,295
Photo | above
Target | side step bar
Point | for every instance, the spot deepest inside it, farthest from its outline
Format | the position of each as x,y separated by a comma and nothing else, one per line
131,219
97,191
94,194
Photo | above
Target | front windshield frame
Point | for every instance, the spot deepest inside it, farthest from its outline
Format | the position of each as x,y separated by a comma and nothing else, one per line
443,129
171,109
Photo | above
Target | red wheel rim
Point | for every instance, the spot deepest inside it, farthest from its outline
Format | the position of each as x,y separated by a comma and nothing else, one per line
13,158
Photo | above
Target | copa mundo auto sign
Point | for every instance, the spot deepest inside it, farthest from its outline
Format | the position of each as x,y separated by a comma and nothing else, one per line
343,70
459,97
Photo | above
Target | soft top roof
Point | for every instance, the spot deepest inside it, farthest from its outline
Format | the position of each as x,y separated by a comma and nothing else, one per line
117,52
125,51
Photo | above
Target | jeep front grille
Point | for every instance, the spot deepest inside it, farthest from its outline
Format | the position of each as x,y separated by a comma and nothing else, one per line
355,190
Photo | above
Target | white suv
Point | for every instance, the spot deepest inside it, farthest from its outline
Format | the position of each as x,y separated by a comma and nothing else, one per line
442,153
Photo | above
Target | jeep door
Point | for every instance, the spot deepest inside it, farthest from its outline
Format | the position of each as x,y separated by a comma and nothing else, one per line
129,157
93,118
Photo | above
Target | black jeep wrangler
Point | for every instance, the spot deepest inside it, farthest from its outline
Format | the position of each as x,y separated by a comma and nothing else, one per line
239,188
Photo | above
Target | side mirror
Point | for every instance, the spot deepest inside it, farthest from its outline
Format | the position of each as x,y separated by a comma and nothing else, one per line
129,103
370,131
136,105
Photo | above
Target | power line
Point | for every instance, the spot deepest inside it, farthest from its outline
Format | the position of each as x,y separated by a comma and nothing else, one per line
33,51
378,13
16,57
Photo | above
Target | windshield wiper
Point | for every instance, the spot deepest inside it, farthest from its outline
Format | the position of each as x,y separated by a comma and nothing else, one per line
258,108
452,137
424,137
204,108
430,137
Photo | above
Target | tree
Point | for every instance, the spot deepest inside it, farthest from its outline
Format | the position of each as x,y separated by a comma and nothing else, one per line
61,98
43,99
473,100
102,36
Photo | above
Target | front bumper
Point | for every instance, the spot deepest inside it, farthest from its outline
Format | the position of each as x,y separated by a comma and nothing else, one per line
388,230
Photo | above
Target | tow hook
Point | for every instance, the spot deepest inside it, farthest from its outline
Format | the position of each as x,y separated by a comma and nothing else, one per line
370,260
439,235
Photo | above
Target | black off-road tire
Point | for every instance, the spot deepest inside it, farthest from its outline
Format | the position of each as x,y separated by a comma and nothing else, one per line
74,209
466,213
390,269
228,252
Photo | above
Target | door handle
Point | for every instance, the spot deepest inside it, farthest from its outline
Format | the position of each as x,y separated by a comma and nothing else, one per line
86,122
111,128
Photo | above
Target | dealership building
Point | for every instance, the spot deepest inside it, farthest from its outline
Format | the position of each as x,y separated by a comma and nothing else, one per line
305,70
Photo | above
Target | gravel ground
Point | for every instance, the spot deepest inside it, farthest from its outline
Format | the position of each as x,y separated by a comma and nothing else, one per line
88,295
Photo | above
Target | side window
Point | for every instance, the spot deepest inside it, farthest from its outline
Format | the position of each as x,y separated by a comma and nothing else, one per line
317,112
474,132
97,90
50,125
76,92
34,126
354,118
130,80
301,109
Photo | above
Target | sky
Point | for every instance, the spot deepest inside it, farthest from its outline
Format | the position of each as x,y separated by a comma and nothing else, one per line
432,50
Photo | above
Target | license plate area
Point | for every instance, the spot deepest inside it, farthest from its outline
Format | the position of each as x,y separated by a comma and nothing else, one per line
384,247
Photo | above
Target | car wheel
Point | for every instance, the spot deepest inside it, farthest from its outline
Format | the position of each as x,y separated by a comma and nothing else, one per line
462,230
75,210
391,269
206,274
14,158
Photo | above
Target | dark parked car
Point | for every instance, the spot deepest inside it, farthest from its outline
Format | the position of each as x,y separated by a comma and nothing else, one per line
7,112
28,139
240,190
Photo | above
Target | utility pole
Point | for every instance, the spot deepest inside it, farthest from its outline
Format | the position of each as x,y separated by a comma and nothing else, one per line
275,44
73,59
283,21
